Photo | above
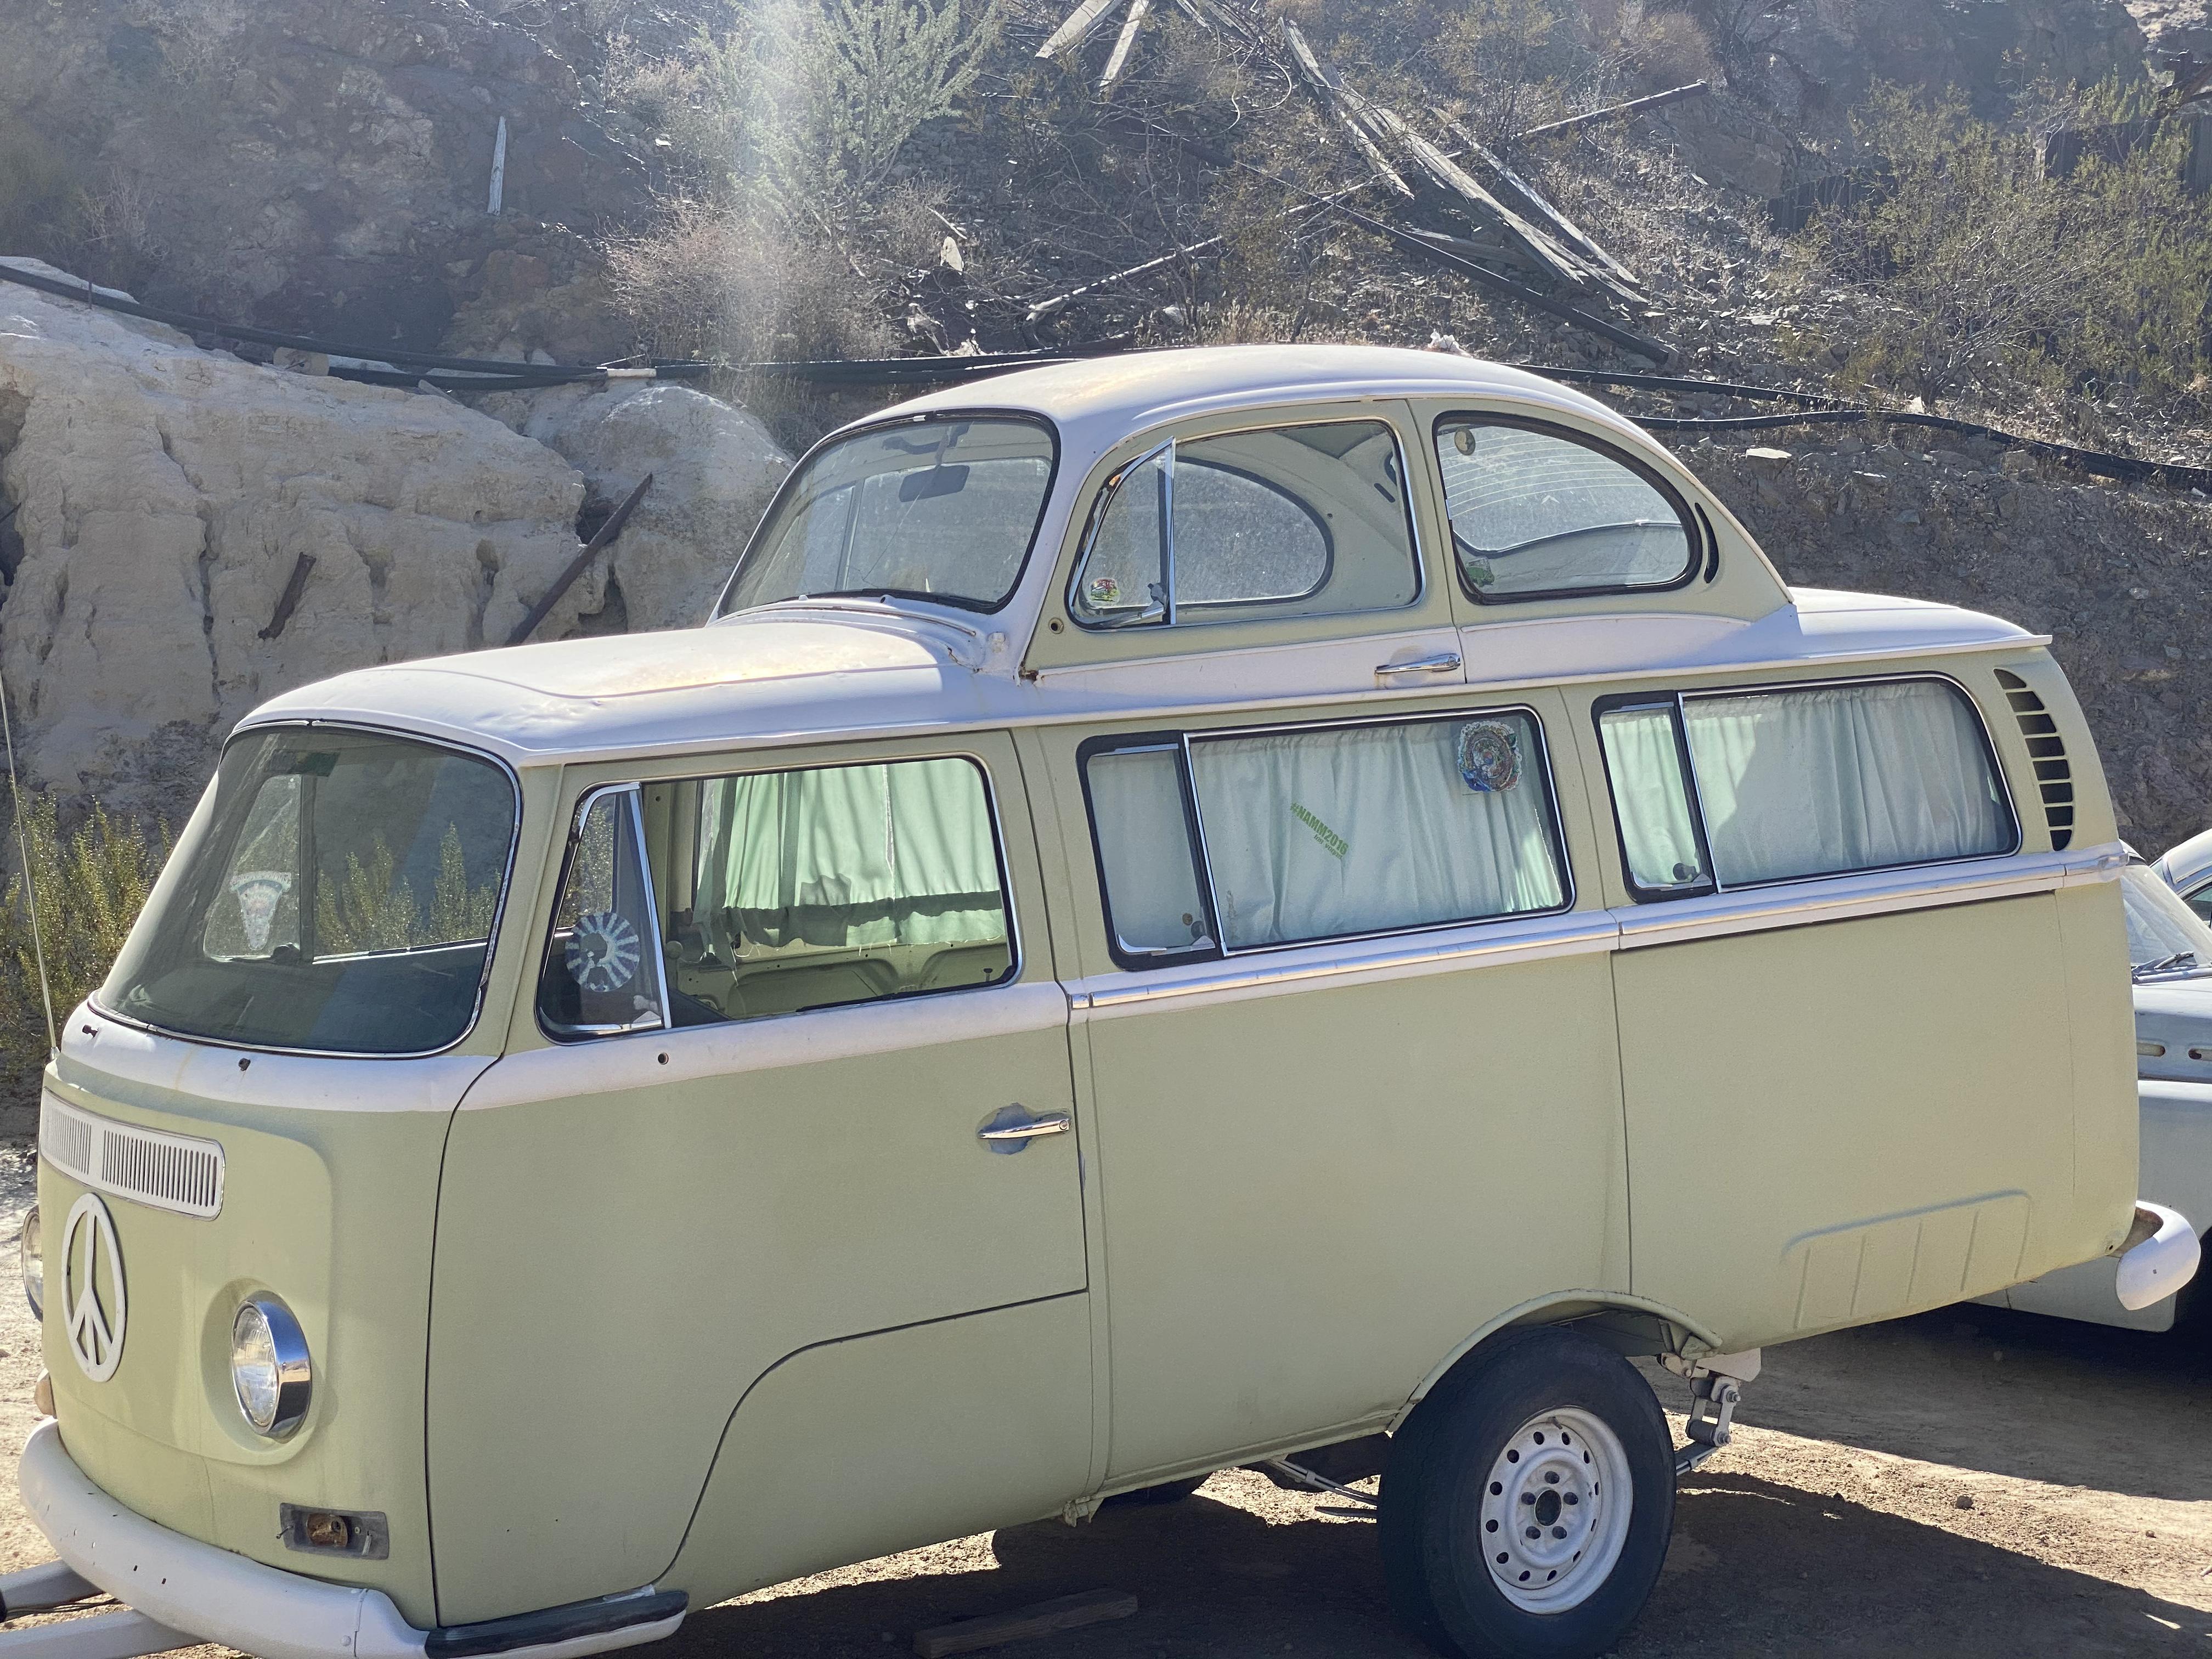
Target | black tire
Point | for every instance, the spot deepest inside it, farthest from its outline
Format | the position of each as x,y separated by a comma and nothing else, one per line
1437,1555
1167,1492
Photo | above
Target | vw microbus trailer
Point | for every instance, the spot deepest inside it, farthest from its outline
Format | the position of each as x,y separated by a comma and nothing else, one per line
865,1051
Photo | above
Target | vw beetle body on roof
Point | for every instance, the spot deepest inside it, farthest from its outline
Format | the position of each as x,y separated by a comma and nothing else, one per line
1188,907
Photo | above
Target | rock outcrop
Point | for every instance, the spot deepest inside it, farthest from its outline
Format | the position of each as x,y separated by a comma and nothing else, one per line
163,496
714,468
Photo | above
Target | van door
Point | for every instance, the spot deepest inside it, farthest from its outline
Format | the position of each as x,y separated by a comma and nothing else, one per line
1356,1090
796,1196
1846,1024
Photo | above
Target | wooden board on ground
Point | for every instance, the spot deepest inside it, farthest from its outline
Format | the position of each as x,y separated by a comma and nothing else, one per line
1039,1619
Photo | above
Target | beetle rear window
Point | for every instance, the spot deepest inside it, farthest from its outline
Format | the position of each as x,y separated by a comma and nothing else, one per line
340,898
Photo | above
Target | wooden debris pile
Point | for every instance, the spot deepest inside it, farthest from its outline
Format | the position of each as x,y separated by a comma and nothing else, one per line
1465,207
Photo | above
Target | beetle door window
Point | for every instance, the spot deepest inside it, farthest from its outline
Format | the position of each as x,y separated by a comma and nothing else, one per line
1313,833
1762,787
1538,513
1288,521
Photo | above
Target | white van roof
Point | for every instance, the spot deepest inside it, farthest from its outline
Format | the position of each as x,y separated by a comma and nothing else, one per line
812,671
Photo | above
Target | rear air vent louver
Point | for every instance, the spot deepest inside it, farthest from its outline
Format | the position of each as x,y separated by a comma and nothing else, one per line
2054,777
170,1172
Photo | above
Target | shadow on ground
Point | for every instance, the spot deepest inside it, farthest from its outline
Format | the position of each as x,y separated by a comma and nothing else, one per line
1755,1567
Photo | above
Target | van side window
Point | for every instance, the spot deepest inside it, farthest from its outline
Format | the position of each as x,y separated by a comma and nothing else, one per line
1289,521
602,969
1738,789
1540,512
1260,839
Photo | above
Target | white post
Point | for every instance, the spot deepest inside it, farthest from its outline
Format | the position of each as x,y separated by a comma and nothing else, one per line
498,167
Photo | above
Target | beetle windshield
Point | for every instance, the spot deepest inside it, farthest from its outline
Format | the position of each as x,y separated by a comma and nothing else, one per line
2167,939
941,508
337,895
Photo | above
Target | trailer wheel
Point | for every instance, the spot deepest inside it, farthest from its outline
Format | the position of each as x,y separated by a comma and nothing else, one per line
1528,1502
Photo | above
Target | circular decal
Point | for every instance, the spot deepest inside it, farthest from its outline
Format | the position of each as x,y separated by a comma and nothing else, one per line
1489,759
603,951
92,1308
1104,591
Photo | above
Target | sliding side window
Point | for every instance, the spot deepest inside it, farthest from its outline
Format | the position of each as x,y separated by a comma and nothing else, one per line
1542,513
1290,521
1719,790
1289,836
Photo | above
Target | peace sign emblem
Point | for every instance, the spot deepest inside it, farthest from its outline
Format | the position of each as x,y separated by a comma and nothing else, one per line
92,1288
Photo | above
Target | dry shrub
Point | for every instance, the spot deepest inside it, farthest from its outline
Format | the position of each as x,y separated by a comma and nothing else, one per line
716,281
90,885
1976,268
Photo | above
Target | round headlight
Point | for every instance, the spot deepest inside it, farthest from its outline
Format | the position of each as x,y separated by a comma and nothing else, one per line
34,1264
269,1366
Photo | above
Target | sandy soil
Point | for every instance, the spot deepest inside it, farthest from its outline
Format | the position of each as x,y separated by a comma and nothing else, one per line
1969,1482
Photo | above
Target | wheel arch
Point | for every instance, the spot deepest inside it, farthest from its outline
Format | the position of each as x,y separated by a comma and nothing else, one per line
1630,1325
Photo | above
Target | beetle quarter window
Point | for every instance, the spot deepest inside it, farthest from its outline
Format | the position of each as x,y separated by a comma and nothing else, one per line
1313,833
1538,513
781,892
1737,789
1288,521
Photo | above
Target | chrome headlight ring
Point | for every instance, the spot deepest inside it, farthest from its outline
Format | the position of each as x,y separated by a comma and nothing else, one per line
270,1371
32,1260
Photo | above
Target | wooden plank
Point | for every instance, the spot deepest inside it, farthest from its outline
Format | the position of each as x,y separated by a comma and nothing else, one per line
1122,48
1077,29
1331,93
1067,1613
580,563
1533,200
1615,111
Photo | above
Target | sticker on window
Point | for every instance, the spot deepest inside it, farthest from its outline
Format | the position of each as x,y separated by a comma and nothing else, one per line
1489,756
1332,843
603,952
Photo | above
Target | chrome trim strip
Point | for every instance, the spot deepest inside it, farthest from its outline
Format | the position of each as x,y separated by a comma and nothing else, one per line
1864,893
1315,967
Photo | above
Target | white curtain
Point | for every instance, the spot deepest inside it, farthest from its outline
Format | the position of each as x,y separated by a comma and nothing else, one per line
894,854
1366,828
1838,778
1144,842
1651,797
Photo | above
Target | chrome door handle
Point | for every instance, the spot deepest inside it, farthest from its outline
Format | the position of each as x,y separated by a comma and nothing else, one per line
1027,1129
1443,663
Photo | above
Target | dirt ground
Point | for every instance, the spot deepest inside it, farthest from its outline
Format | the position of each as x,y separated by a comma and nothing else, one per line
1969,1482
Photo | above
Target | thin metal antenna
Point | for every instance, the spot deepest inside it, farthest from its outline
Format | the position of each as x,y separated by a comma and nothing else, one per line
30,886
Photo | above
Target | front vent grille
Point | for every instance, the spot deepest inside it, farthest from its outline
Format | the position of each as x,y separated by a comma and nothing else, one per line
151,1166
2054,775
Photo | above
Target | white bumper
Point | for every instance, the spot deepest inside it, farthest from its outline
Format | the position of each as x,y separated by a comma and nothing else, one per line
2162,1257
194,1587
215,1595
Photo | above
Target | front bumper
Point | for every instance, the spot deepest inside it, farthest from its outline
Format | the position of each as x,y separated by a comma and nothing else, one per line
214,1596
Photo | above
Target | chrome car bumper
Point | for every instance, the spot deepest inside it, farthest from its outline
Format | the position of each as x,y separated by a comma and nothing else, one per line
182,1591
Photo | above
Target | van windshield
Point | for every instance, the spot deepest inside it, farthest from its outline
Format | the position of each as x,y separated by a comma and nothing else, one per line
338,896
943,509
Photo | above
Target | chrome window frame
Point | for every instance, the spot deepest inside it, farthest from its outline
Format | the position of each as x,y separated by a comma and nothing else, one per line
776,502
249,728
1183,742
586,804
1017,960
1697,529
1095,523
1677,701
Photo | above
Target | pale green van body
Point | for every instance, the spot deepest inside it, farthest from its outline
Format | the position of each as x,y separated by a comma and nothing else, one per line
710,1308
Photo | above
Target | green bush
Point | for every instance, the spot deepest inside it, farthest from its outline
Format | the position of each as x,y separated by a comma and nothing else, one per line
1977,267
90,885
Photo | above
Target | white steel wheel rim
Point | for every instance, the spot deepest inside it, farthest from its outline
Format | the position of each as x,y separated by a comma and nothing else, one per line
1555,1510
